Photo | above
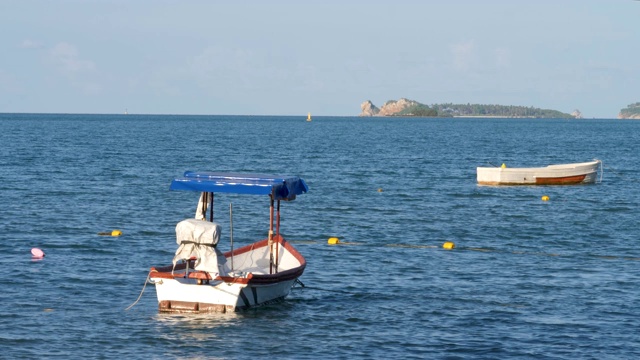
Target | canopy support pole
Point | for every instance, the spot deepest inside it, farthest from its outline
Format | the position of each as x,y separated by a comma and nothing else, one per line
211,207
270,241
278,219
231,233
278,234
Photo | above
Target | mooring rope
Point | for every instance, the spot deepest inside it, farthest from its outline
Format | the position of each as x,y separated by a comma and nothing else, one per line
620,174
141,292
601,170
298,282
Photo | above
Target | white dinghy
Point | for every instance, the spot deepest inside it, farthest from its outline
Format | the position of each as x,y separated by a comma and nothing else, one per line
562,174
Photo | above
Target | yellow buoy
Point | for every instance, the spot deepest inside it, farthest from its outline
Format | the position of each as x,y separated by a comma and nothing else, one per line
545,198
503,165
111,233
448,245
333,241
379,189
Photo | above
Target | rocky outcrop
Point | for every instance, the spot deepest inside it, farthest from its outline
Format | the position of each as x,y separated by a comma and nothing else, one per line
630,112
393,107
576,114
390,108
628,116
368,109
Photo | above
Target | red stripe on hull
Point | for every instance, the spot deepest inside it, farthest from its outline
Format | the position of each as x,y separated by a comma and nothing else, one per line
567,180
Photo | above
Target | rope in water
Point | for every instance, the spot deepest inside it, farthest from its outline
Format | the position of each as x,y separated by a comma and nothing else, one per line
141,292
303,286
620,174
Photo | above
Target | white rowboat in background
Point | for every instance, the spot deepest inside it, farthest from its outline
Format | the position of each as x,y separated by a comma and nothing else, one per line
562,174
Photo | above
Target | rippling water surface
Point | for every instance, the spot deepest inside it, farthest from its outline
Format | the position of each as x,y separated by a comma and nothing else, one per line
527,278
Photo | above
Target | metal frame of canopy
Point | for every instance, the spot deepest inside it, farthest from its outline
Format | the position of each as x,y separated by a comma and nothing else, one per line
277,187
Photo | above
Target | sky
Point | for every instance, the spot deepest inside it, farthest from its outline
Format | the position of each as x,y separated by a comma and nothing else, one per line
325,57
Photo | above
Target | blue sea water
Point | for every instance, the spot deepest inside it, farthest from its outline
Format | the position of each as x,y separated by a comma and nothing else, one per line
528,279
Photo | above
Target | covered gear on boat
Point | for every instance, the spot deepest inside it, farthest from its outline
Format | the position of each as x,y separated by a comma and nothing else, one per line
203,204
198,238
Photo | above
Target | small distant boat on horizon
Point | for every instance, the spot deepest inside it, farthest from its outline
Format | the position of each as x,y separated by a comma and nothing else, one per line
126,112
561,174
309,117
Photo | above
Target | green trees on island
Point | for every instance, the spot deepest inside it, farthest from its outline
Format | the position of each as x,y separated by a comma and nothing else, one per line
406,107
631,110
479,110
419,110
497,110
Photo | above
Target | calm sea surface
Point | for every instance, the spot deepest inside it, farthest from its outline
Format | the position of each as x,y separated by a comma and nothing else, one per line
527,279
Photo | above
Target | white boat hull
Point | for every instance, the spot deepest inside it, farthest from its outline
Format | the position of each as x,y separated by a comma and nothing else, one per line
186,295
563,174
253,282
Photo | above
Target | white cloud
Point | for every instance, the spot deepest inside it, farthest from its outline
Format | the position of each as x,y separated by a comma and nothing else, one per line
463,54
503,58
66,57
75,72
30,44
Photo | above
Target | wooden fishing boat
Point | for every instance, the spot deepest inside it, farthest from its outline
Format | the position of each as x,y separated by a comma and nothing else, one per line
202,278
562,174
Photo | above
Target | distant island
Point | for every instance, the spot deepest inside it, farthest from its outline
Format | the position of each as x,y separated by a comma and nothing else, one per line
406,107
630,112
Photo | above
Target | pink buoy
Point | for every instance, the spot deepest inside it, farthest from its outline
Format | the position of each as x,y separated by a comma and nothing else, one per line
37,253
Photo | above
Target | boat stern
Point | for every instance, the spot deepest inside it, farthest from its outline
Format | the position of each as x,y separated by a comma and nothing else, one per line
196,293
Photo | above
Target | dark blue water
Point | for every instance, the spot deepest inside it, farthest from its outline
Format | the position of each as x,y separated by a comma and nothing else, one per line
528,279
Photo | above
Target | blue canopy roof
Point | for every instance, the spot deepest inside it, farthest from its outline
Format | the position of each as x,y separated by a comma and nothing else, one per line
283,187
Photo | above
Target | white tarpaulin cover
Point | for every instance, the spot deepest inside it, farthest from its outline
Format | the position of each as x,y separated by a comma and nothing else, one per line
203,203
196,238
